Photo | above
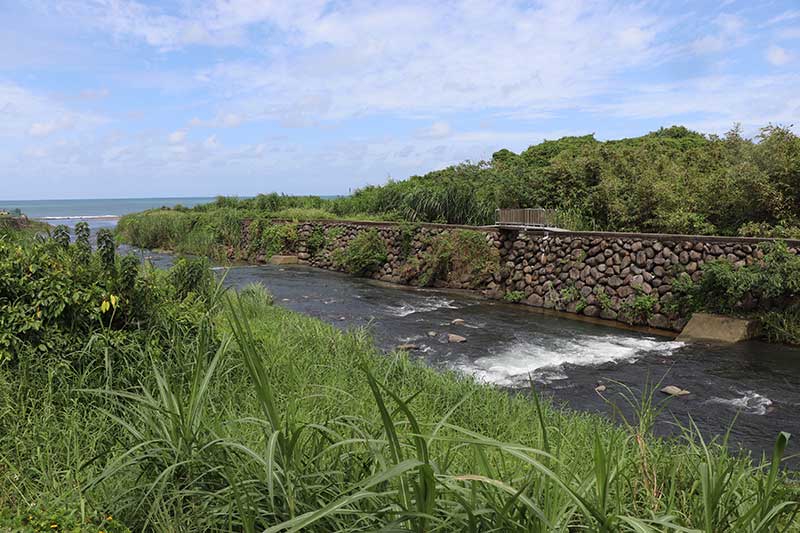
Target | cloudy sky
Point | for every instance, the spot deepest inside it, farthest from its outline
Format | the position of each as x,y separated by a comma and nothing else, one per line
117,98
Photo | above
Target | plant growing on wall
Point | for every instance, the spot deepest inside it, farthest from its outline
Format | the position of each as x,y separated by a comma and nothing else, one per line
458,253
514,296
316,241
363,255
639,308
269,239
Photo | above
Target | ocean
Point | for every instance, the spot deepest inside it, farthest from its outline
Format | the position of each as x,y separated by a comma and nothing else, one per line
99,208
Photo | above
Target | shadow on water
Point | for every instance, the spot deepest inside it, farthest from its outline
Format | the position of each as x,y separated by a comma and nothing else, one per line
565,358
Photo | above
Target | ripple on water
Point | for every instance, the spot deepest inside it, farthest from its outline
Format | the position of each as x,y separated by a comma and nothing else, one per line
543,359
749,402
423,305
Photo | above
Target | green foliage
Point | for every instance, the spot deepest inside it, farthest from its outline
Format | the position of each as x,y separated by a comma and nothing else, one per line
672,180
514,296
106,248
724,288
61,236
316,241
764,229
605,301
264,419
50,295
639,308
782,325
268,238
72,518
456,254
568,294
768,289
363,255
191,276
406,234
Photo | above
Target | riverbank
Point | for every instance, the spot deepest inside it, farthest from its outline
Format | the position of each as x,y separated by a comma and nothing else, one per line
177,408
654,280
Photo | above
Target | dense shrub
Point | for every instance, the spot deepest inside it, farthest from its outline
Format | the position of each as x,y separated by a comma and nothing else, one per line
51,295
769,288
364,254
456,255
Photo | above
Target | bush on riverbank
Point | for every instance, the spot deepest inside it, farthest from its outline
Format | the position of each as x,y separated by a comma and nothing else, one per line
459,255
263,418
364,254
768,289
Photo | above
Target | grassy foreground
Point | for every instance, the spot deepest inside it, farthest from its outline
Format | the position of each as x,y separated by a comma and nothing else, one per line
176,407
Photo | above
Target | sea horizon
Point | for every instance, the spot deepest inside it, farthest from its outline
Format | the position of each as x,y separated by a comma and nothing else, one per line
96,208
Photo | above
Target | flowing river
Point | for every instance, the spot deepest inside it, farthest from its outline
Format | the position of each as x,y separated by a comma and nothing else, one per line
510,345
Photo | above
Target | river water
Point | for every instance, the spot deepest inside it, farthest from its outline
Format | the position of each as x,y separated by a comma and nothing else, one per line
755,383
508,345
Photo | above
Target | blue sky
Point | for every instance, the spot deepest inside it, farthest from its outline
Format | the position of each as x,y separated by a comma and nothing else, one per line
117,98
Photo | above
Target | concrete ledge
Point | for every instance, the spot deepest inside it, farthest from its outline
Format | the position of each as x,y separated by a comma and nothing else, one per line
707,327
284,260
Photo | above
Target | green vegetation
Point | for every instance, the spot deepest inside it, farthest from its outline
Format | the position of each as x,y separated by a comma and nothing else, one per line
514,296
364,254
168,405
768,289
672,180
460,255
15,225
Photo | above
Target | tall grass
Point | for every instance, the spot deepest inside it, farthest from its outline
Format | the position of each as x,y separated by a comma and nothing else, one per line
261,419
188,418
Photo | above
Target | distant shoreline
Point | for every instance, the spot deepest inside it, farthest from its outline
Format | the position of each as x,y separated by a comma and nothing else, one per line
80,217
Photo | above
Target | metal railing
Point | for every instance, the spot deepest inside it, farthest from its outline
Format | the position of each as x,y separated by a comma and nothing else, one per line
536,217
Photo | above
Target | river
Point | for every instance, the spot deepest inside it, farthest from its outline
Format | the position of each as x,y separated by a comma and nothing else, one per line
509,345
755,383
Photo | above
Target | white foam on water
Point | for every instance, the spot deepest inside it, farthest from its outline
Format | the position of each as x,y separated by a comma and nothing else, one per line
431,303
516,362
749,402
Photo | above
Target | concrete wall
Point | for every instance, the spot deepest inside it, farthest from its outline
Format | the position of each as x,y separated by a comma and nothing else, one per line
616,276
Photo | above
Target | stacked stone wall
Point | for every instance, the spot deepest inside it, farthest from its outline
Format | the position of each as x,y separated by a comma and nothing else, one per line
615,276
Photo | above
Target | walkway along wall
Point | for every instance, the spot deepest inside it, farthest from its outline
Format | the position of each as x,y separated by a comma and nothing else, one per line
617,276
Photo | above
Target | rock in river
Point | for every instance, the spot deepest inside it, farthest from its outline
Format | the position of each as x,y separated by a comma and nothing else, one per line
458,322
672,390
452,337
407,347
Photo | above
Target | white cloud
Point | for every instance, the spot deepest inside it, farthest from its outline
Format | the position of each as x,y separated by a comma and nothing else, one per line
437,130
778,56
24,111
314,61
223,120
43,129
786,16
177,137
728,33
715,103
94,94
211,143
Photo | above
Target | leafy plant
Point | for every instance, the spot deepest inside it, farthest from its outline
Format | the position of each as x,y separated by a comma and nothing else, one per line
457,254
365,253
514,296
317,240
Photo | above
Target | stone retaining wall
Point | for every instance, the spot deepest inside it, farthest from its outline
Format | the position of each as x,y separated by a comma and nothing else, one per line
616,276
